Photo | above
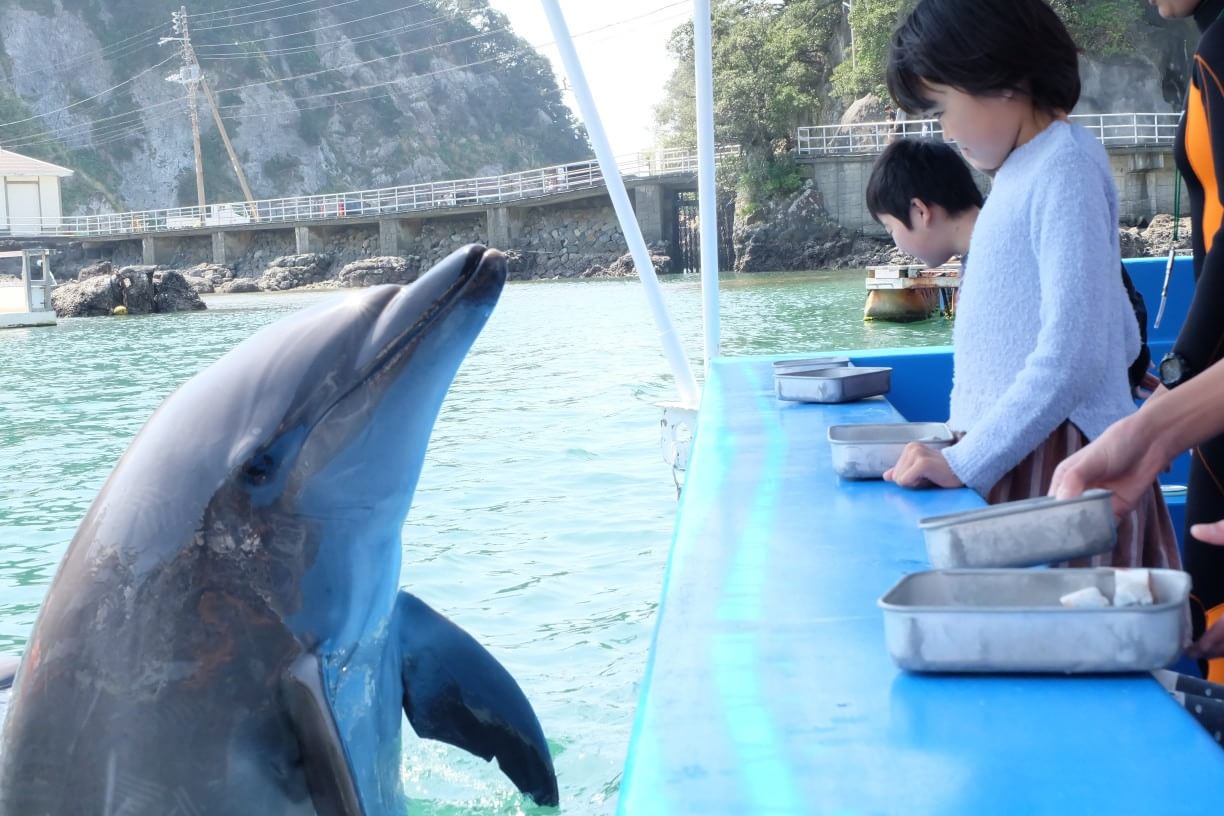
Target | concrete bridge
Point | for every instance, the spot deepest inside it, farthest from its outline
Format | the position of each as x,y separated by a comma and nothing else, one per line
397,212
840,157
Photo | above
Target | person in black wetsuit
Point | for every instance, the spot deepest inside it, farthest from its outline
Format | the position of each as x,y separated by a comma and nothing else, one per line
1199,149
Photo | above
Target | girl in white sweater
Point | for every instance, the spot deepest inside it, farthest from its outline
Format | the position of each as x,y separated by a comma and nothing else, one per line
1044,331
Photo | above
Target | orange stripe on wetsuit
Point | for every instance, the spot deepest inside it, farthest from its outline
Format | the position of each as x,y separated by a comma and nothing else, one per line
1200,154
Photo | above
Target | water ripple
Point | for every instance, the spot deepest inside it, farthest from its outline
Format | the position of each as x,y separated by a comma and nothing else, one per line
544,511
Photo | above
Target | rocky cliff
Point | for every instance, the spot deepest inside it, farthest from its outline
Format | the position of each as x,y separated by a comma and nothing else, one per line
360,94
1150,74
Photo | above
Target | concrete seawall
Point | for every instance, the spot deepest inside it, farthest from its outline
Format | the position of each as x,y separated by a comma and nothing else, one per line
1144,177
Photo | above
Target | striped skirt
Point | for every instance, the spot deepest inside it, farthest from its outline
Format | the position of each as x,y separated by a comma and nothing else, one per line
1145,534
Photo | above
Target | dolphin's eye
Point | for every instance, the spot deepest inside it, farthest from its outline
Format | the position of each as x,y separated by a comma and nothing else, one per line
271,460
259,469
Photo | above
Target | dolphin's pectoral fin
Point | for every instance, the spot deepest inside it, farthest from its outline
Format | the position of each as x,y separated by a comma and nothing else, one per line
328,774
8,670
456,692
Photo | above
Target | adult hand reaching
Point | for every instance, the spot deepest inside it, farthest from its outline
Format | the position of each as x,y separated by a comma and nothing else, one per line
1123,459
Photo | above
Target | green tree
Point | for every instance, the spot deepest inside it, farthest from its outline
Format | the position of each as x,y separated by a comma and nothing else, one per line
1102,27
772,63
872,23
676,115
1099,27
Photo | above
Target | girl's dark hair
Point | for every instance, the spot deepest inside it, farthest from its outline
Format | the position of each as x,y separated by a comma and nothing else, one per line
983,47
932,172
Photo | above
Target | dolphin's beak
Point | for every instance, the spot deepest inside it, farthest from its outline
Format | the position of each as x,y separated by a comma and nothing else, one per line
473,274
372,435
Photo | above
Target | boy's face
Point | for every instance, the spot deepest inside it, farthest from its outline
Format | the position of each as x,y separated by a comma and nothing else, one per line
928,237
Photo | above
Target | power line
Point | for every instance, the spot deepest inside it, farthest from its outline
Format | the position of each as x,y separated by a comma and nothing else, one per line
86,99
129,117
160,28
315,30
298,49
232,10
531,49
335,4
132,122
88,139
96,54
353,65
149,34
232,13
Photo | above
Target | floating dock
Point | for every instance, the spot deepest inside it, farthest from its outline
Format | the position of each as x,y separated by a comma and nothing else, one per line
908,293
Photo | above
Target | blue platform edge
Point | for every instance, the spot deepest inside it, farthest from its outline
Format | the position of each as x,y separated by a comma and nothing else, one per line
769,690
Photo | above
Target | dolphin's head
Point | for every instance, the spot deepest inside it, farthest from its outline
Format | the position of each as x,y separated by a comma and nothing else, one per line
319,419
368,376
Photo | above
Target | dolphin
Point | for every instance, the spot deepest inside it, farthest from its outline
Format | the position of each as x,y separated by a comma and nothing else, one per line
226,633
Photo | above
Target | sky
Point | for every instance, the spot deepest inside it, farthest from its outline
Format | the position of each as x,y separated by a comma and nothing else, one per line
626,63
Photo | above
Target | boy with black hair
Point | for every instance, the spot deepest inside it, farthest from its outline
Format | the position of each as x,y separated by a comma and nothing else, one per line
922,192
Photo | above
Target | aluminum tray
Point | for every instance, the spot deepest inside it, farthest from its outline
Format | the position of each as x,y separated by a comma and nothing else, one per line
809,364
1022,533
866,451
1012,621
834,384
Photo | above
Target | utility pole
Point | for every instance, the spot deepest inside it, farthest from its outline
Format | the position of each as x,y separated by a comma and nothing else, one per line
189,75
192,76
229,147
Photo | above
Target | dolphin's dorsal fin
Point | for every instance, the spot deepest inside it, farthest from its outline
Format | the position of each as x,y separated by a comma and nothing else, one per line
329,775
456,692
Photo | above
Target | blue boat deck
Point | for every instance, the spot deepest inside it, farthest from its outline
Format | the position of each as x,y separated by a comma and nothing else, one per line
769,689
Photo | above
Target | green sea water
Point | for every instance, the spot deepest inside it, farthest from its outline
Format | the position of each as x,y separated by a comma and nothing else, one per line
544,512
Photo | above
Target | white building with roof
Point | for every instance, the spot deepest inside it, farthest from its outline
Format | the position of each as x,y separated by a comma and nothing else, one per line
30,201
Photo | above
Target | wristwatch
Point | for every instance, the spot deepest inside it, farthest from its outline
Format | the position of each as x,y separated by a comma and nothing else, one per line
1174,370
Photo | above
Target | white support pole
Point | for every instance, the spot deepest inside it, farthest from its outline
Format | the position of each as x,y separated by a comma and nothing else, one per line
707,199
672,349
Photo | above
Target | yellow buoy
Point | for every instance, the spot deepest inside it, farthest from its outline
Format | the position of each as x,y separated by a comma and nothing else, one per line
119,310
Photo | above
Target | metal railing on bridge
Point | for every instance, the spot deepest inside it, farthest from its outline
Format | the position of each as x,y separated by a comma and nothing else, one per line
366,204
1112,129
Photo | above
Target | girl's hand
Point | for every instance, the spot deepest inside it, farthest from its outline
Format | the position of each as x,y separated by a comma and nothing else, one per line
1157,393
1147,386
920,466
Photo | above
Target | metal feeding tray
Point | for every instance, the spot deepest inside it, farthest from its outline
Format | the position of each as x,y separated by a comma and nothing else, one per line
810,364
866,451
833,384
1013,621
1022,533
